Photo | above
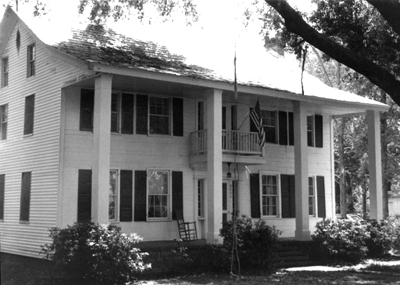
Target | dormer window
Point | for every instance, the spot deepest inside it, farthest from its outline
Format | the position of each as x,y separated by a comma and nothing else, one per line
31,64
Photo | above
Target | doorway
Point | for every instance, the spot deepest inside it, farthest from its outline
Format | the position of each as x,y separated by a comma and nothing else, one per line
229,199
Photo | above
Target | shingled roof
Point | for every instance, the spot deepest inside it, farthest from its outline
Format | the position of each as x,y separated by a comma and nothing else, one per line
97,44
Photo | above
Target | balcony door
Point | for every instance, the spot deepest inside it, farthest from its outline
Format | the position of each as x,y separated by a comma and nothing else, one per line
229,199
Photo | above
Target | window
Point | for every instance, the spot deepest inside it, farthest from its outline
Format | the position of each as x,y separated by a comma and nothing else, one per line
158,194
25,196
310,130
269,123
84,195
311,199
29,114
122,113
269,195
31,64
200,198
2,190
113,195
3,121
159,116
4,72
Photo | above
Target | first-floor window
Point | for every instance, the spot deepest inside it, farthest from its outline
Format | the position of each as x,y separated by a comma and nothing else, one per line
269,194
2,190
113,195
200,198
311,196
158,194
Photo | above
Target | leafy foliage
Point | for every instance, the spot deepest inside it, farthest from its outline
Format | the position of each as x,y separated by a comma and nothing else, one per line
95,253
254,241
352,241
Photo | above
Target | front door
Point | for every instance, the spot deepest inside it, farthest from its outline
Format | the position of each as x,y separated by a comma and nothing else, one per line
229,199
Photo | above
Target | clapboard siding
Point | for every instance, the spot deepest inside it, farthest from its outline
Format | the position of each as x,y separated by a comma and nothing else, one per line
37,153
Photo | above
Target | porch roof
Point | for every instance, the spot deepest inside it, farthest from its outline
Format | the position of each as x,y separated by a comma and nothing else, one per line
96,46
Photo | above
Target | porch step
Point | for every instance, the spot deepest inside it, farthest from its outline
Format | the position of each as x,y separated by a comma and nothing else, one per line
293,254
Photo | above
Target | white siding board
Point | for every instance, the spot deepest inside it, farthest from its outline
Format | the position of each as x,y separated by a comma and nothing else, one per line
37,153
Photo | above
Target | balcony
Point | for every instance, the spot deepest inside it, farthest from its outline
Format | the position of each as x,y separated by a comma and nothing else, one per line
237,146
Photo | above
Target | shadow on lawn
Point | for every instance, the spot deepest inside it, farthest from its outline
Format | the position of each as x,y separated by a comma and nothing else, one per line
17,270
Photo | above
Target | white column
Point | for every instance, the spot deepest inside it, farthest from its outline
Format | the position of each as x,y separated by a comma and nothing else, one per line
101,151
214,165
301,171
375,165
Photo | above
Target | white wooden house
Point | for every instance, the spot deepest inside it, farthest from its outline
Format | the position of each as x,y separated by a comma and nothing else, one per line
106,128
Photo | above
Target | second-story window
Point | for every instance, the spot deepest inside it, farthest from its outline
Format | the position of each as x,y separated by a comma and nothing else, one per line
122,113
310,130
159,115
4,72
269,123
29,114
31,63
3,121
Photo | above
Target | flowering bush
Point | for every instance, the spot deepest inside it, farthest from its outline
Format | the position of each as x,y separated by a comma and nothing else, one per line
352,241
255,241
95,253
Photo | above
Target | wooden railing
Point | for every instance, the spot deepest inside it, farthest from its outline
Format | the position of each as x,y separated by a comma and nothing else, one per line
232,142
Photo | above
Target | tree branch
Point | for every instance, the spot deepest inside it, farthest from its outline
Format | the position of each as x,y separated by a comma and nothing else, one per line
375,73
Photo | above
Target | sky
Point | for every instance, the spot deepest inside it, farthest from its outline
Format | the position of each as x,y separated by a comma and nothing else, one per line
213,40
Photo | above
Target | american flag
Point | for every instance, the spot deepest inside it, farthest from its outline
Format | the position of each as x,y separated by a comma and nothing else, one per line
255,115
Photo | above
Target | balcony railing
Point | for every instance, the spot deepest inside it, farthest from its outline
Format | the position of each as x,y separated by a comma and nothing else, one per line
237,142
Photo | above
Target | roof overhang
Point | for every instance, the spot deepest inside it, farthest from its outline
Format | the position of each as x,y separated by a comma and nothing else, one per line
337,107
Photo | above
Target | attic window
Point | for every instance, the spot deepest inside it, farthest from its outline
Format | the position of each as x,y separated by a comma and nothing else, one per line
18,40
31,56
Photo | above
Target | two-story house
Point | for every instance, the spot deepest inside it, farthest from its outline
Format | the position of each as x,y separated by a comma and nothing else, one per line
105,128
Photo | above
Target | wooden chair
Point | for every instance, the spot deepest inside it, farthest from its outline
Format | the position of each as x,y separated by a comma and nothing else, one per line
187,230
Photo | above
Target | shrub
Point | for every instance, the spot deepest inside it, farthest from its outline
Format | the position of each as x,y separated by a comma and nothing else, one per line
341,240
255,241
95,253
352,241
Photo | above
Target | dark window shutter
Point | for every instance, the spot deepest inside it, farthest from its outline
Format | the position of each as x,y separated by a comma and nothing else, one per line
321,196
177,192
141,114
125,214
291,129
25,196
288,196
2,190
283,132
87,110
253,127
140,195
29,114
177,113
84,195
318,131
127,114
255,195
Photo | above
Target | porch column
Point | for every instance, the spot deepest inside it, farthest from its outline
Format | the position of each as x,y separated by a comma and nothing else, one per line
101,151
375,166
301,171
214,165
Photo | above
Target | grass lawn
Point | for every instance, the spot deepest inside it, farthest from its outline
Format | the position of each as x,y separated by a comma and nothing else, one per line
18,270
